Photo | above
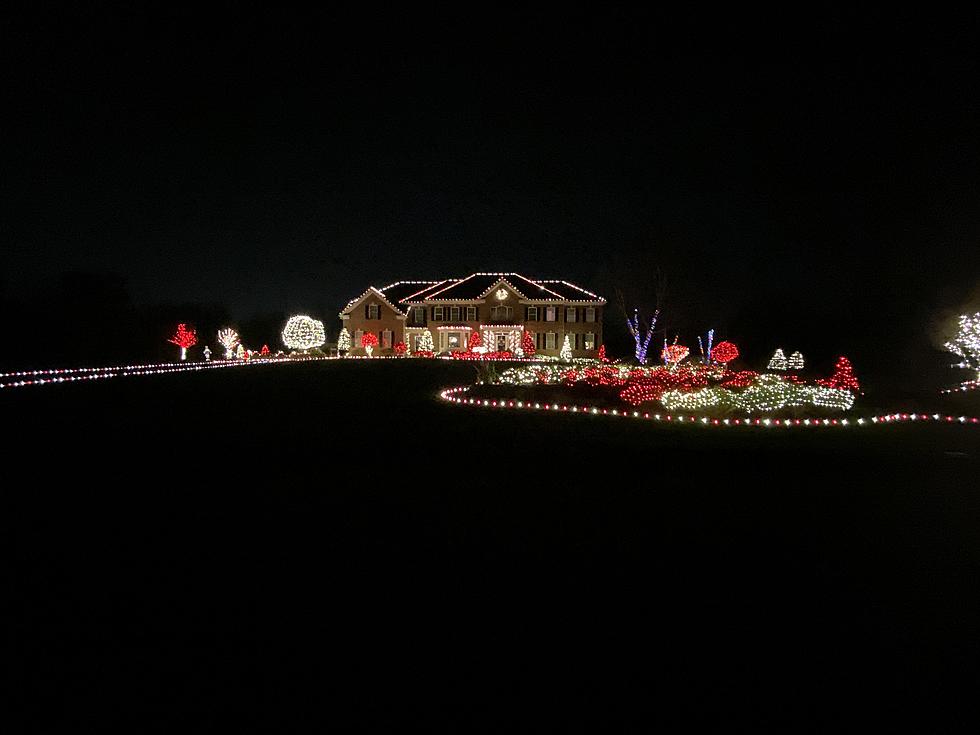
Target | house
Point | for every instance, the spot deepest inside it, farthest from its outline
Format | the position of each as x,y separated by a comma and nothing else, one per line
502,306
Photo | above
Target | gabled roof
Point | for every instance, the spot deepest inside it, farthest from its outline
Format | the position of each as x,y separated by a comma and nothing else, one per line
472,287
372,290
423,293
475,287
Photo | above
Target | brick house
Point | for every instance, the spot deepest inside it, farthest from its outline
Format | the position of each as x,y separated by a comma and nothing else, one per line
502,306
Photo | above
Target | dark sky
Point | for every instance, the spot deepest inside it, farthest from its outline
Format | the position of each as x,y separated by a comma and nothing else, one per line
817,170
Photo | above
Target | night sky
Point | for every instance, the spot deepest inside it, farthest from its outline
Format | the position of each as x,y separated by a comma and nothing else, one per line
802,180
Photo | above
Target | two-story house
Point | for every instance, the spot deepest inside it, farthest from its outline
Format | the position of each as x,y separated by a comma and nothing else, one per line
501,306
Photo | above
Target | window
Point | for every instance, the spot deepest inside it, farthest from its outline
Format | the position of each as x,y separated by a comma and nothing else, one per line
454,313
532,313
471,313
453,340
420,315
589,341
501,313
386,336
589,314
374,311
437,313
571,314
551,339
550,314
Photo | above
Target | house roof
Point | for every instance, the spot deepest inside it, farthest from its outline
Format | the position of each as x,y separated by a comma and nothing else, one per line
477,286
402,290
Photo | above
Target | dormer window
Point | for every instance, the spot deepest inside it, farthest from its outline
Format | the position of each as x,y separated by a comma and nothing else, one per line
374,311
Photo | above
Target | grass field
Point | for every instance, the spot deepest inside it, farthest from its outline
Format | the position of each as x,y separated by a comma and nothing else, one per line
272,546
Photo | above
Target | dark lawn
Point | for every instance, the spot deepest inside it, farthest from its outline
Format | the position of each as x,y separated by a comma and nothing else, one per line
288,544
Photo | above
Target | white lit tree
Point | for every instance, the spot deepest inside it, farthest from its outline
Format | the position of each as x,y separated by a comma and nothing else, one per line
795,362
303,333
228,338
778,360
566,350
966,343
240,351
425,342
343,341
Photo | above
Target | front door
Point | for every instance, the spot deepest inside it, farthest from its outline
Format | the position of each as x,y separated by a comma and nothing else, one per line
501,342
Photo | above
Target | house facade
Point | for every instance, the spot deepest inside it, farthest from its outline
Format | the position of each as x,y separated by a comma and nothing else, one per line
501,306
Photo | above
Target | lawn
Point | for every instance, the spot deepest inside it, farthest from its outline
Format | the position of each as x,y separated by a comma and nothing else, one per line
189,546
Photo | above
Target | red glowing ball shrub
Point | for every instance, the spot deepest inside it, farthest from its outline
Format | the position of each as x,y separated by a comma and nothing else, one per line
724,352
369,339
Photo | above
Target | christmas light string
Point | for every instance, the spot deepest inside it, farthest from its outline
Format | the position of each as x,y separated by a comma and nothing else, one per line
456,396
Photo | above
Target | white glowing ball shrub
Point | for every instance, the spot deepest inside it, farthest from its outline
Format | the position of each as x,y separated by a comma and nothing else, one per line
303,333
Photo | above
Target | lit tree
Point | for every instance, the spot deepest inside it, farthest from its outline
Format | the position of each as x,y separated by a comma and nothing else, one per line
566,350
240,352
724,352
475,340
425,342
400,349
778,360
264,351
184,338
207,353
343,341
303,333
527,344
966,343
795,362
674,354
369,341
636,329
843,377
602,354
228,338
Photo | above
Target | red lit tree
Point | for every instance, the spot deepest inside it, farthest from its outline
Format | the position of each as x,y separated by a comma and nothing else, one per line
527,344
843,377
602,354
369,341
724,352
264,350
475,340
674,353
184,338
400,348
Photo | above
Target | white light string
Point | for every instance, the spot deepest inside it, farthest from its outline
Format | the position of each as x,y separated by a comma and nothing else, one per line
453,395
